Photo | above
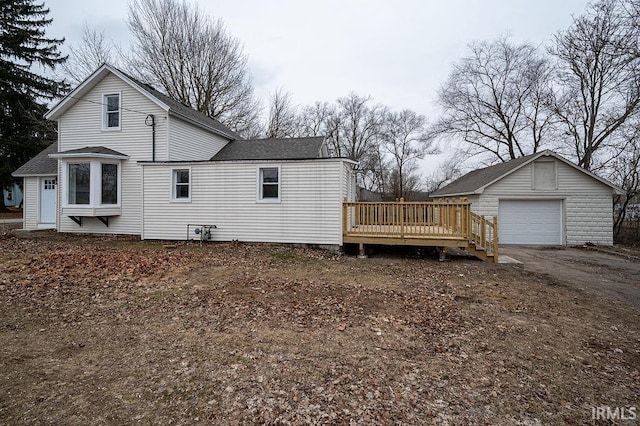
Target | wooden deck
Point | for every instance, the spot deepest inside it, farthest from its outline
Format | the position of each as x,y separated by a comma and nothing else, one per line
449,223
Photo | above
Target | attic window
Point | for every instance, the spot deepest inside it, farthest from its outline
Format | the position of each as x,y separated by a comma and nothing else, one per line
544,175
111,105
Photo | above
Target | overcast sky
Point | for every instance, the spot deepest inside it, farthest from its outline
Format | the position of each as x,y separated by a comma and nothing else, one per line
397,51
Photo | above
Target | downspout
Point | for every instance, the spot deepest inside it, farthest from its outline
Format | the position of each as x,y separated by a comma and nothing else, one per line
151,121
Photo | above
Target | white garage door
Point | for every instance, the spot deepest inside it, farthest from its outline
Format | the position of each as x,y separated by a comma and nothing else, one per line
530,222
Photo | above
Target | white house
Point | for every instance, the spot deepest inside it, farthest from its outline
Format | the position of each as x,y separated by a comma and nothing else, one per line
12,194
130,160
540,199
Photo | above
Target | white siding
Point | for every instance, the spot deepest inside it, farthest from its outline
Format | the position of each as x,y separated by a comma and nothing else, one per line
129,221
31,206
81,126
588,206
189,142
591,219
225,195
348,182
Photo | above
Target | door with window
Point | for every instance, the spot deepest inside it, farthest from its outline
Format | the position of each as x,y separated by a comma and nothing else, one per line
48,187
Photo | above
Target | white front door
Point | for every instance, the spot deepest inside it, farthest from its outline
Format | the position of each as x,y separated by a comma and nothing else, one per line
48,187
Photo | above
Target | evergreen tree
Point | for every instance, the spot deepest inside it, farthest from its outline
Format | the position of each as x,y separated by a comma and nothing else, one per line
24,93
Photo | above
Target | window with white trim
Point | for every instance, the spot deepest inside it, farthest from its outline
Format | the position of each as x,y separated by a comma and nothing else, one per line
269,183
111,107
109,184
181,184
92,183
79,179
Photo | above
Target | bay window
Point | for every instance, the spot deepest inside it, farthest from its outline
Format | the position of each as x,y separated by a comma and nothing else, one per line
92,183
109,189
79,183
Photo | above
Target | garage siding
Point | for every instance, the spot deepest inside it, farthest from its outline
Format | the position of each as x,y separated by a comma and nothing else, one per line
588,203
591,220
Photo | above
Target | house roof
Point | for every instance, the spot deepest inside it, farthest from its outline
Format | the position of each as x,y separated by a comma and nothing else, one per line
89,151
271,149
187,112
476,181
41,164
165,102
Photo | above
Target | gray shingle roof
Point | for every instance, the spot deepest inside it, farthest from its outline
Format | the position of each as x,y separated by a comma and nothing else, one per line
186,111
41,164
271,149
476,179
173,106
93,150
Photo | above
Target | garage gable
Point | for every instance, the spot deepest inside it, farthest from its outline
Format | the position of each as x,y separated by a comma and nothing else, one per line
548,176
518,174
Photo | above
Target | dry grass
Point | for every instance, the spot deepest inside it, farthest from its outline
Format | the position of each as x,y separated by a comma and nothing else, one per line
115,331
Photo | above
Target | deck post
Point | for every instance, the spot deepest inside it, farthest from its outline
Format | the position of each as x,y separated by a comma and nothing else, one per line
442,254
401,213
361,253
469,223
344,216
495,239
483,233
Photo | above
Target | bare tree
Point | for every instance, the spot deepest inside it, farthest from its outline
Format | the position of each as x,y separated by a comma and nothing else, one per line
283,121
354,132
625,172
93,50
193,58
600,74
448,171
497,100
405,139
313,120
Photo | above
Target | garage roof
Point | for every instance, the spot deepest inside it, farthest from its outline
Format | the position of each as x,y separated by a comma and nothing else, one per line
476,181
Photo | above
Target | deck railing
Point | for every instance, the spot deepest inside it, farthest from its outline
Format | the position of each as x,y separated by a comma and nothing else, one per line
484,233
446,222
439,219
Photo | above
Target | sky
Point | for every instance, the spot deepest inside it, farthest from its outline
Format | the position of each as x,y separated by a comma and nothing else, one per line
397,51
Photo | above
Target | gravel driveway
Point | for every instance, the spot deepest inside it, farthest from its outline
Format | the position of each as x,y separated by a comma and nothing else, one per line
603,274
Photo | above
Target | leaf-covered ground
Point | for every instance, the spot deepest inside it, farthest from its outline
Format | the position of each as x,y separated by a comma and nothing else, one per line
117,331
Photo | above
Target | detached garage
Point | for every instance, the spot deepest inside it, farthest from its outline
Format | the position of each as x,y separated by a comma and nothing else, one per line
540,199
